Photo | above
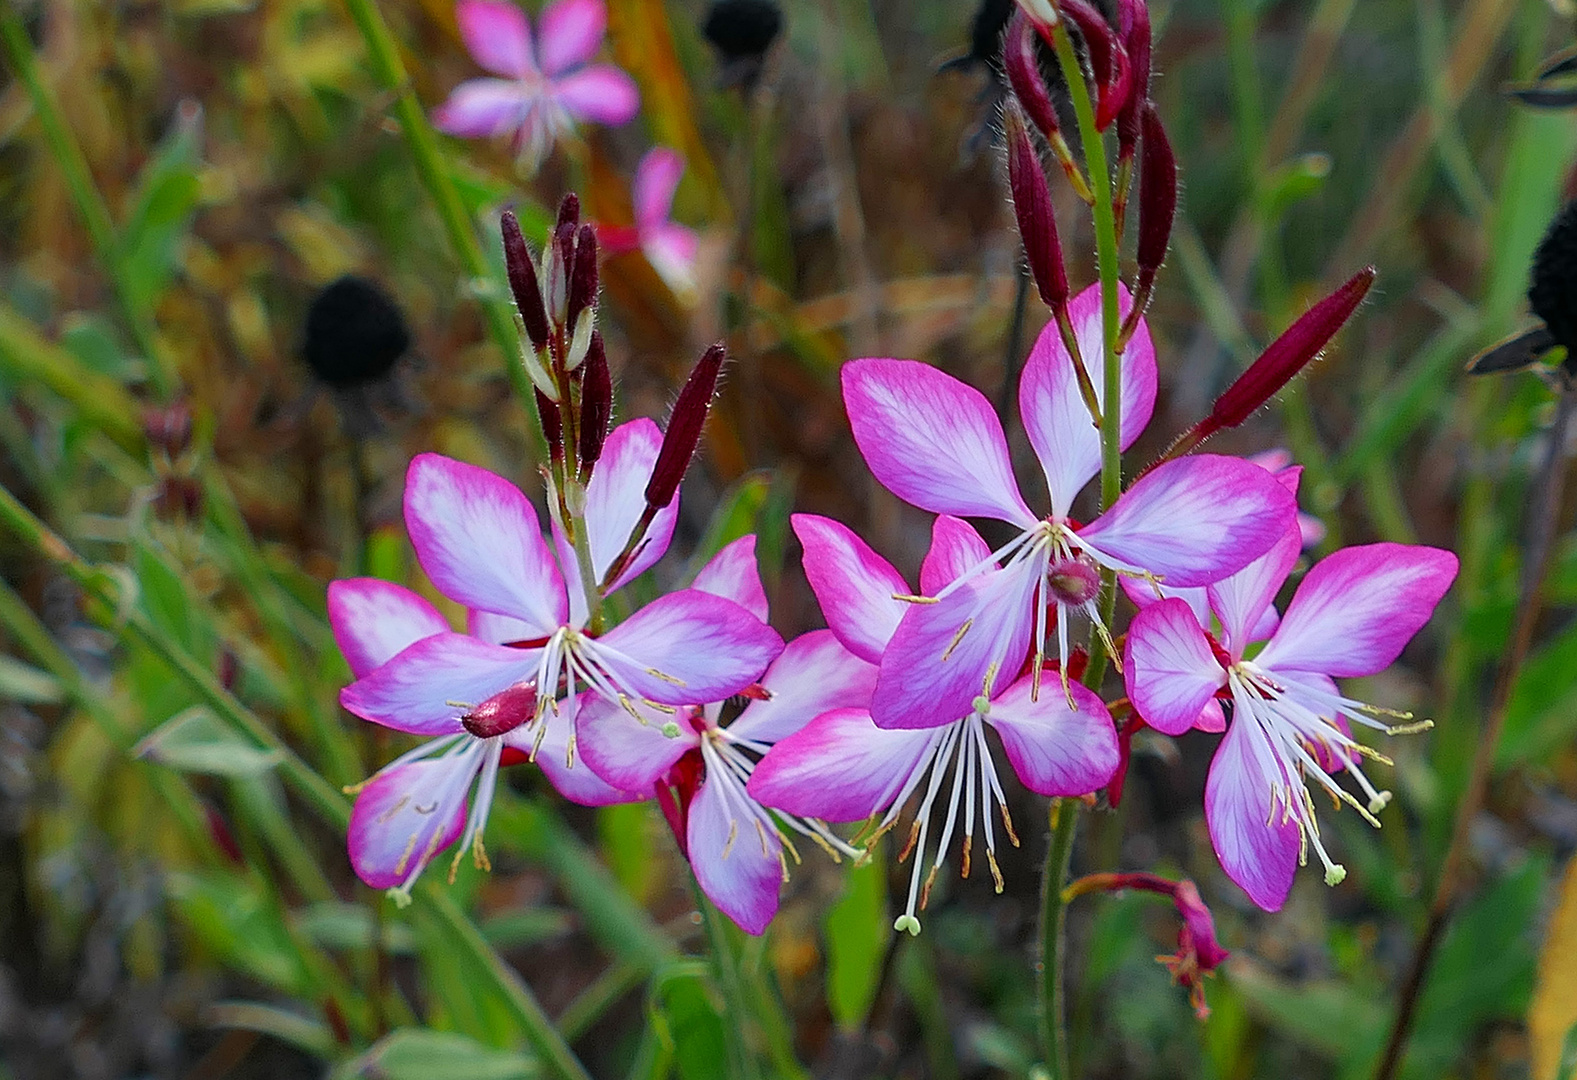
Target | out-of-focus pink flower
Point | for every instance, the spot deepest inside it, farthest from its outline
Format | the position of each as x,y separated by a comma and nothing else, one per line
545,86
1350,617
937,443
668,246
1198,952
1279,461
699,766
842,767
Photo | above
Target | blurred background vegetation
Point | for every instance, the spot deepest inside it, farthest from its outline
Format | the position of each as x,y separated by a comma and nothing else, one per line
179,179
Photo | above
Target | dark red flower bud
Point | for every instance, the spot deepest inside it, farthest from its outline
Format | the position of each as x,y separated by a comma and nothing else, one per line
684,428
1301,343
583,277
219,832
569,211
1119,780
523,282
1157,198
1020,61
169,427
552,424
596,404
503,712
178,496
677,790
1108,59
1133,26
1037,223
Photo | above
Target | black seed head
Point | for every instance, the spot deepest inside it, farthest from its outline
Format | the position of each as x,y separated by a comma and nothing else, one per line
740,29
354,333
1553,291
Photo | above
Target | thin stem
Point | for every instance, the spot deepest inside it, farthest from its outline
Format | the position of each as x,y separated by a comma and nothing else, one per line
1544,517
90,203
428,157
742,1062
1053,915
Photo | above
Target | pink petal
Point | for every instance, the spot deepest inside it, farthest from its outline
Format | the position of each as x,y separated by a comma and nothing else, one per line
625,752
616,499
735,851
601,93
412,692
479,108
497,36
568,770
1242,600
1357,608
1194,520
656,180
374,619
1055,418
476,535
1258,851
406,815
918,688
1145,593
706,649
571,31
1212,717
671,249
931,440
815,674
496,629
734,575
956,549
840,767
854,585
1056,750
1169,669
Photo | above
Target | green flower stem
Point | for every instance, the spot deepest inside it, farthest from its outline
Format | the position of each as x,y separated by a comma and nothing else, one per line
1064,822
432,170
89,201
725,961
329,803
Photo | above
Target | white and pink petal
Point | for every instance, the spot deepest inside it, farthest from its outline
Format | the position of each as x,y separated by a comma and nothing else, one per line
1169,669
840,767
815,674
686,647
855,587
421,690
1257,846
734,574
373,620
1056,750
735,850
407,814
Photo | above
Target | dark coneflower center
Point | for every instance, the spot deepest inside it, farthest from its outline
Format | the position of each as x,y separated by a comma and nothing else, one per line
502,713
1553,292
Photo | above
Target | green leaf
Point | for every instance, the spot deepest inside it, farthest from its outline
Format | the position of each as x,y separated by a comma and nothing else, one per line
340,925
195,740
242,928
858,933
690,1019
419,1054
288,1027
167,195
462,992
27,685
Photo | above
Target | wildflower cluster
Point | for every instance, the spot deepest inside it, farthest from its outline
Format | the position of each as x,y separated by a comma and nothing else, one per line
751,745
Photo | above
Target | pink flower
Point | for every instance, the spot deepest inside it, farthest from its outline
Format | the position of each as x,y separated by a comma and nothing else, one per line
477,538
842,767
546,86
1279,462
668,246
936,443
698,766
1351,616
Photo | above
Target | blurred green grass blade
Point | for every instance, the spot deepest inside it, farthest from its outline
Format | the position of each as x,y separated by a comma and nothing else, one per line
858,935
194,740
691,1019
25,684
291,1028
162,209
419,1054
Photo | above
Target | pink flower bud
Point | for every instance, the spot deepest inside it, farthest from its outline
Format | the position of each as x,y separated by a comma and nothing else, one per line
1157,198
523,282
1022,65
596,404
1288,354
684,428
1108,59
1037,224
503,712
583,277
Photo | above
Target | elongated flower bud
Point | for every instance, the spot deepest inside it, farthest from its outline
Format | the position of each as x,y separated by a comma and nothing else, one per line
596,404
1022,65
1108,59
1302,342
523,282
1032,206
684,428
558,260
1157,197
583,277
552,424
1133,26
569,211
502,713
